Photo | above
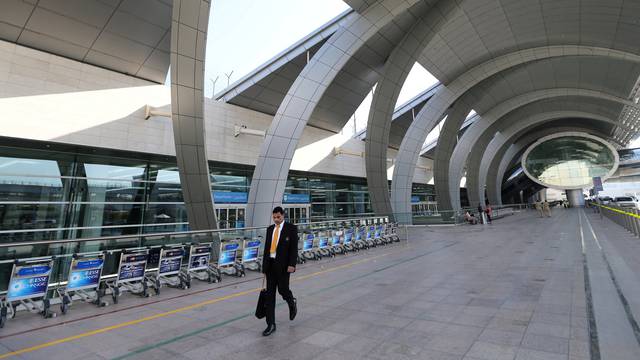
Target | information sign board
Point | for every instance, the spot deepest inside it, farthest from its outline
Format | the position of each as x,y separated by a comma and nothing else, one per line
29,281
170,261
84,273
199,257
132,267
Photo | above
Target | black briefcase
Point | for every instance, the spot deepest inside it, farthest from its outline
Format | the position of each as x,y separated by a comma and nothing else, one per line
261,308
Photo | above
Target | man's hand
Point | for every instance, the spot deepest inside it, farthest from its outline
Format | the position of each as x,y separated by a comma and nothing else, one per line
291,269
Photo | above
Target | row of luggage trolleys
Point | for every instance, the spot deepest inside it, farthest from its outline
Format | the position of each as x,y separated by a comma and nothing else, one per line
145,271
139,271
315,245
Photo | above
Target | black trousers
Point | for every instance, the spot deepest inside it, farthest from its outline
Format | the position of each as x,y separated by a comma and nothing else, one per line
277,277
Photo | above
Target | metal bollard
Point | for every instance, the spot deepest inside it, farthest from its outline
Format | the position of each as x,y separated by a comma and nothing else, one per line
626,218
636,222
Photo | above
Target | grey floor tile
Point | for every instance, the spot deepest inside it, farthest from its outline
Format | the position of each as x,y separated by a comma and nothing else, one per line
551,344
527,354
490,351
324,338
501,337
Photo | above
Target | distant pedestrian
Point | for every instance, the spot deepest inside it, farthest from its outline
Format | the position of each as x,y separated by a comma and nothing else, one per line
538,206
546,209
470,218
480,211
489,212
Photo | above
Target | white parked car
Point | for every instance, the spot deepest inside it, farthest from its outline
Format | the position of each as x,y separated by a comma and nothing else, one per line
605,200
626,202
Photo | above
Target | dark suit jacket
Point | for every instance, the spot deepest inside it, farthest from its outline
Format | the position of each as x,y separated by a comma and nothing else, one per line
287,249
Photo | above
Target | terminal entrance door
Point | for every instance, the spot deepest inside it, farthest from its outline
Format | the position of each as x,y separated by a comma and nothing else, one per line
424,208
231,216
297,213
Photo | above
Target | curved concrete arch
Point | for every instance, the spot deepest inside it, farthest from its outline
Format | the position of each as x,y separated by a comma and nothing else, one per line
507,135
489,28
591,73
189,23
615,76
512,146
272,167
470,140
416,134
393,76
481,132
447,140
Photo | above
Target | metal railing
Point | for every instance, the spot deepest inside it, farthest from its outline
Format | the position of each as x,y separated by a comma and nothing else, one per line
627,217
63,250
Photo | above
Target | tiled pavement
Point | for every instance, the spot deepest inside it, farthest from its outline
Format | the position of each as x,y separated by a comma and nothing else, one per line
511,290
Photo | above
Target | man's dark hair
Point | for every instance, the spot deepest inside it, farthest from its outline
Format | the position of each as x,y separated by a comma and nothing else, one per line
279,210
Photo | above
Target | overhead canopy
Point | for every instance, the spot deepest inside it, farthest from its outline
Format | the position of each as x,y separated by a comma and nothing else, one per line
130,36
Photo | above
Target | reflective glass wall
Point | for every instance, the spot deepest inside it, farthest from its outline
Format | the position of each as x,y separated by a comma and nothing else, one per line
54,191
569,162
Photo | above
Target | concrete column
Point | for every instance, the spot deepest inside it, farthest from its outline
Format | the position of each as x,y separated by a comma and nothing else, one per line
575,198
542,195
189,22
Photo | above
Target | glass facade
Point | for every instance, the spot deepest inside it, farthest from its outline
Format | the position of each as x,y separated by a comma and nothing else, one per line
569,161
58,191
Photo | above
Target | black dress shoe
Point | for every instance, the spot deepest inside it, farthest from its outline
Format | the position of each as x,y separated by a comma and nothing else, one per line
271,328
293,309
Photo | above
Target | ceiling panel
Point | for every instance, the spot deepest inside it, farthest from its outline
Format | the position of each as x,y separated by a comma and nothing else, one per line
130,36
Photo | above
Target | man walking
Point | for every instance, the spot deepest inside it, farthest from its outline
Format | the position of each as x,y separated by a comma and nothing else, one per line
279,261
546,208
538,206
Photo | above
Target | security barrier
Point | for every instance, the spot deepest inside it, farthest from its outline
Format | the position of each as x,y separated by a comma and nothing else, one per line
629,218
39,274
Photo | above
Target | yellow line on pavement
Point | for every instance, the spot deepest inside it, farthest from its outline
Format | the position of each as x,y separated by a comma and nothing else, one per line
179,310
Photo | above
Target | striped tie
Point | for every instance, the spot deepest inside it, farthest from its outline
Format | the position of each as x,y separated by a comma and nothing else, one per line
274,239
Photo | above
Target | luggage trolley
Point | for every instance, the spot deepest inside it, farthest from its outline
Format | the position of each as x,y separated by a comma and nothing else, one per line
250,254
131,274
170,269
369,233
377,233
323,245
83,282
199,265
28,287
392,230
348,240
300,258
307,247
227,260
383,234
360,243
336,242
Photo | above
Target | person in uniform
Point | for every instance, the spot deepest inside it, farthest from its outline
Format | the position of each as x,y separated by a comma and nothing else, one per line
546,209
278,263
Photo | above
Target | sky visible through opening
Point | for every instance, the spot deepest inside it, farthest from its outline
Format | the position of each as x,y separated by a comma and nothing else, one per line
244,34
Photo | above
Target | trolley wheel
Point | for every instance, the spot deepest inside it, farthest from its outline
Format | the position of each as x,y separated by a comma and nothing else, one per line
64,308
46,311
64,305
115,294
3,316
145,289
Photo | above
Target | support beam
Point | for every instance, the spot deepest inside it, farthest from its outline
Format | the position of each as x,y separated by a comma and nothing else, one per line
189,24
